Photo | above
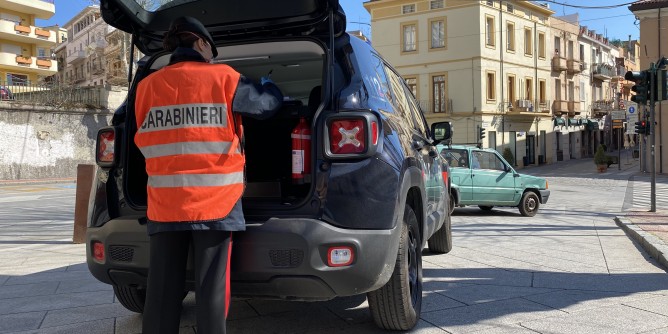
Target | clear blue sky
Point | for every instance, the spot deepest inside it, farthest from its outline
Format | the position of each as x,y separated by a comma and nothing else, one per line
618,22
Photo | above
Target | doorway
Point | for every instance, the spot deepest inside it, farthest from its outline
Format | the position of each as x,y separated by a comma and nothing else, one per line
531,150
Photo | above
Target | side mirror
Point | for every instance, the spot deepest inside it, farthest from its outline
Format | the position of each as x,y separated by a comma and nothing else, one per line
441,131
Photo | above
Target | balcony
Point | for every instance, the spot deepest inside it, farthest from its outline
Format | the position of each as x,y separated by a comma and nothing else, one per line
427,107
559,64
42,9
620,71
603,72
35,65
573,108
9,30
76,57
601,107
559,107
574,66
97,69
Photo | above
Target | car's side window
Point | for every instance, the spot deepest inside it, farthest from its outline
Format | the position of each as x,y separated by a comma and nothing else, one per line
486,160
401,100
378,80
456,158
418,117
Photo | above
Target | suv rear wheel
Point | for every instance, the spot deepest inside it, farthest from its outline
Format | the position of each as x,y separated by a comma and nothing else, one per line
131,297
441,241
396,306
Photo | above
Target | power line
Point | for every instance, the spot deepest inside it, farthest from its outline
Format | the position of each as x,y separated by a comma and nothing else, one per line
590,7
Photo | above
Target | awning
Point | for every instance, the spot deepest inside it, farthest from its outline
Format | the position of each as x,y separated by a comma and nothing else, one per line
592,125
559,121
573,121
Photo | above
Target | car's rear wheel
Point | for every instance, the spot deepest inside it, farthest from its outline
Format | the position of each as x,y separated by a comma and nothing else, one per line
131,297
485,207
529,204
441,241
397,305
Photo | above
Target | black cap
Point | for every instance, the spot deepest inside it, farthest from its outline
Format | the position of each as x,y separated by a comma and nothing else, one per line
191,24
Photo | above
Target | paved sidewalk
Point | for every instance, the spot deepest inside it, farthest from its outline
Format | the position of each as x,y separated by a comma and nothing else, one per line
649,229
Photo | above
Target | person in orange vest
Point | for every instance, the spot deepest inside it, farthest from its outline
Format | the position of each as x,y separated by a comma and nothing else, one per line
188,117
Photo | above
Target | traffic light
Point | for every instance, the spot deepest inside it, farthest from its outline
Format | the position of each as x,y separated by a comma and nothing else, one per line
661,87
640,127
641,88
648,128
481,133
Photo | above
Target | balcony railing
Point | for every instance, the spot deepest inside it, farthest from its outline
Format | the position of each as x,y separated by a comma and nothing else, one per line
603,71
602,105
559,107
25,34
27,63
574,108
574,66
53,94
428,106
76,56
559,64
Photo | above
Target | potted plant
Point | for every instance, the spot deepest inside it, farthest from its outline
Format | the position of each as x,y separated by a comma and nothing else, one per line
600,159
508,155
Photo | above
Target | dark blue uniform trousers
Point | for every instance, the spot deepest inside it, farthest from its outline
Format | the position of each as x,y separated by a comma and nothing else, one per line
166,280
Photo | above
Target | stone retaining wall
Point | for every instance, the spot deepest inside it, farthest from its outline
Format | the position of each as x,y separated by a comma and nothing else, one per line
42,143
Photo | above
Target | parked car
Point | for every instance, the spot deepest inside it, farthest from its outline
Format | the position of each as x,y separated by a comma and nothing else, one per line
5,93
484,178
373,197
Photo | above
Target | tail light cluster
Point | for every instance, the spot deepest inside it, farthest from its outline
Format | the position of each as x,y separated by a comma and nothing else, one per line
351,135
105,148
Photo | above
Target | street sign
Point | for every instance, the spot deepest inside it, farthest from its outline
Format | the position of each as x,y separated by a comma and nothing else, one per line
632,109
631,119
618,114
617,123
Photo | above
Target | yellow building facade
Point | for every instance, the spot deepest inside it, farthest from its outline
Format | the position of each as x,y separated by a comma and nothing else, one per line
478,64
25,49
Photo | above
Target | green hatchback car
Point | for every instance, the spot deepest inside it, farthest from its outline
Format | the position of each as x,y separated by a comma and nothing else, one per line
484,178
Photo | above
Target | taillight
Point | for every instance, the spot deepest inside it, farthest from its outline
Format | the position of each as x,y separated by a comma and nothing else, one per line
445,178
347,136
98,251
351,135
105,153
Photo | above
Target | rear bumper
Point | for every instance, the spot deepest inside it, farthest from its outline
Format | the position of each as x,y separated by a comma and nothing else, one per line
280,258
544,196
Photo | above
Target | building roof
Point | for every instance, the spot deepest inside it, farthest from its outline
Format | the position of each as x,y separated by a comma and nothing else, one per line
648,4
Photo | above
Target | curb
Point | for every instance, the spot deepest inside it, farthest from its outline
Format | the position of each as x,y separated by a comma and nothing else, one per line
654,246
36,181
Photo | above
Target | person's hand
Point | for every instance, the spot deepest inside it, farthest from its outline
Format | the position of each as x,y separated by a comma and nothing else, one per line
264,80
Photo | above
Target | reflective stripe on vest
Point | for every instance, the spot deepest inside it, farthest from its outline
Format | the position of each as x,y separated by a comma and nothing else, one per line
195,115
195,180
163,150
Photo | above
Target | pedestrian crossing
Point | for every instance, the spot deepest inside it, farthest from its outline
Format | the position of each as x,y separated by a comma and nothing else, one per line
640,193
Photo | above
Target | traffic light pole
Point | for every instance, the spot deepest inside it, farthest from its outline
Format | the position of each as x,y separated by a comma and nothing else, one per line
652,136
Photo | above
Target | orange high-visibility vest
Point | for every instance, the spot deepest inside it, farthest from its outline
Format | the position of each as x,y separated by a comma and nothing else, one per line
186,131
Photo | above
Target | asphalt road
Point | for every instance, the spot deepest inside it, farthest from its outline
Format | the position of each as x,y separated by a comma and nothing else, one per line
570,269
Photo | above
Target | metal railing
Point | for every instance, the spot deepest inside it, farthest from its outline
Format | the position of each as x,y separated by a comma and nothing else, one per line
52,94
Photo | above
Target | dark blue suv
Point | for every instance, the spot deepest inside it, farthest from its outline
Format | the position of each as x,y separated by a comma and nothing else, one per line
351,218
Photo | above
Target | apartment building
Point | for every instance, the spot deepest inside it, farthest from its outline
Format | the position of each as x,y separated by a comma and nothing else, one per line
478,64
83,53
25,49
653,17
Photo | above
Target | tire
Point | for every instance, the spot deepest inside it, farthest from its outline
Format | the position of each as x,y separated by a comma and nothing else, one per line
451,203
486,207
441,241
529,204
132,298
397,305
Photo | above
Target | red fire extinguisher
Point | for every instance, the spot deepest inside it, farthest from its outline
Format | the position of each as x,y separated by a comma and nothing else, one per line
301,152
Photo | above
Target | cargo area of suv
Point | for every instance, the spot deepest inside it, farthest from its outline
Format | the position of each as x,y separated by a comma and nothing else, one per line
296,66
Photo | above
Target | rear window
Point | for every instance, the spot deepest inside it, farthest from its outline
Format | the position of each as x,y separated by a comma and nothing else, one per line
154,5
456,158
